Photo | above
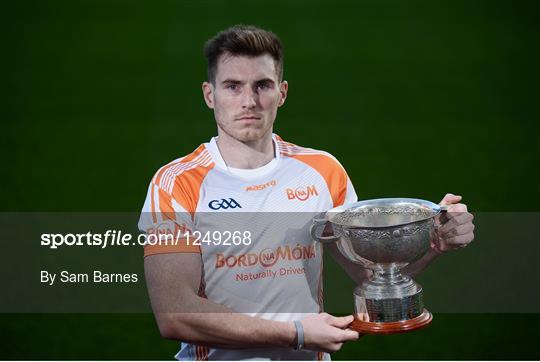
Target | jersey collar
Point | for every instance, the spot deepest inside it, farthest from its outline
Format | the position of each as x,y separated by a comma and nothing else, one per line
220,163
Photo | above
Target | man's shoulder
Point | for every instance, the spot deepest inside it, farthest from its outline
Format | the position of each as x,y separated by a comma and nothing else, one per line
309,155
199,160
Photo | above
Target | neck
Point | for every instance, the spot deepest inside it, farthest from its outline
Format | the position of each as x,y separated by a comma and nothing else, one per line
245,155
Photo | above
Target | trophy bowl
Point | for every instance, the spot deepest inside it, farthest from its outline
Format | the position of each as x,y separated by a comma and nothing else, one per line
384,236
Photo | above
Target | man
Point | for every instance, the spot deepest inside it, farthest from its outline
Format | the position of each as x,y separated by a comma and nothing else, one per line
232,302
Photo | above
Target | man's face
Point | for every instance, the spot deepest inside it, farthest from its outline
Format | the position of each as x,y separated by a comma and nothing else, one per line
245,97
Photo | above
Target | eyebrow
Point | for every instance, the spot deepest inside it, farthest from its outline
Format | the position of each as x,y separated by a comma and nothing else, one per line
235,81
265,80
231,81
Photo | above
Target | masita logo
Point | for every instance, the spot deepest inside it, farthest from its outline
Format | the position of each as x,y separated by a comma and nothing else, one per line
261,186
301,193
266,257
224,204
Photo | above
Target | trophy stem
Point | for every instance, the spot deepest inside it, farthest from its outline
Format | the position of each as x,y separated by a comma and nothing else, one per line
388,274
388,296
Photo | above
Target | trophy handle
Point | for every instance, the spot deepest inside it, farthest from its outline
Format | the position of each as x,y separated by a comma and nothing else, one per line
317,223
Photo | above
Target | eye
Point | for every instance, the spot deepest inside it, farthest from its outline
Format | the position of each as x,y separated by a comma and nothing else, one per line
232,86
263,85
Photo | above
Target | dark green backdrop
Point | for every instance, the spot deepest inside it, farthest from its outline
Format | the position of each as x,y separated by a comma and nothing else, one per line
415,98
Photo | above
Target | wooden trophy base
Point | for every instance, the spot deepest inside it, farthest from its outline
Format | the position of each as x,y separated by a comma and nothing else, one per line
392,327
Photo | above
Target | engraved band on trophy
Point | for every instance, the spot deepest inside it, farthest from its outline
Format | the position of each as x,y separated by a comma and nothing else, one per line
384,235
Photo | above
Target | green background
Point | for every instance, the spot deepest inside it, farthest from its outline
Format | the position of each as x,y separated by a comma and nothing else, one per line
415,98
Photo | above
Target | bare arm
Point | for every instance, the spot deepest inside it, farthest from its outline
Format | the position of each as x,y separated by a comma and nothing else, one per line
173,282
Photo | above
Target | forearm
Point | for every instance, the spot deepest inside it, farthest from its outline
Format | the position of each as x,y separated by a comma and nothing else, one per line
415,268
181,314
213,325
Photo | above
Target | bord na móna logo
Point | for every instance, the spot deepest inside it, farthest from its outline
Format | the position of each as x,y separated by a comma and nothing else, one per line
267,257
224,204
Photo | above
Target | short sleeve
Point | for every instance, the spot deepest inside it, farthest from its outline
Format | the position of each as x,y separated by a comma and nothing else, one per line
167,225
350,193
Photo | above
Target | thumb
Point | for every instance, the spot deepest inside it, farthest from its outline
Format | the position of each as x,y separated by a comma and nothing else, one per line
449,199
341,322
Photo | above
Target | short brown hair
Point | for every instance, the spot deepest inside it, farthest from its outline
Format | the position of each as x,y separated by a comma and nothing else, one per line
243,40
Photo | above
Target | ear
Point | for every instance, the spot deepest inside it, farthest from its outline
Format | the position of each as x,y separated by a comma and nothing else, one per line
283,88
208,94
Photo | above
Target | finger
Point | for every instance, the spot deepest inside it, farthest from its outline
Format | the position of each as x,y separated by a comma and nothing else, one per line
349,335
460,240
456,219
449,199
457,230
443,217
457,208
452,211
340,322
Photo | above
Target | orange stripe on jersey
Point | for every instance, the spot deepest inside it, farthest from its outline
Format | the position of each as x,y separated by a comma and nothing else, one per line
188,158
168,178
334,175
187,187
165,205
182,246
203,353
181,183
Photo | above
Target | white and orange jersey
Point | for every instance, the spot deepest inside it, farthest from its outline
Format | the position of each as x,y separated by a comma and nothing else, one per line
276,272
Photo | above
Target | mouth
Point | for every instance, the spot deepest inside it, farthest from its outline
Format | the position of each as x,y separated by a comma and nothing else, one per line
249,118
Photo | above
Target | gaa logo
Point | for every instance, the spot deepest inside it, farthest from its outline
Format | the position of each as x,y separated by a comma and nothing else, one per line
301,193
224,204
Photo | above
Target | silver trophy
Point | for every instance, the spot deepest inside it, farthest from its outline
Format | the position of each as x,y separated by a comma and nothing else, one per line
383,235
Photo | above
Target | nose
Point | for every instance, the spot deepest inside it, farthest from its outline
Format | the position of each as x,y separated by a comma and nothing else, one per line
250,99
